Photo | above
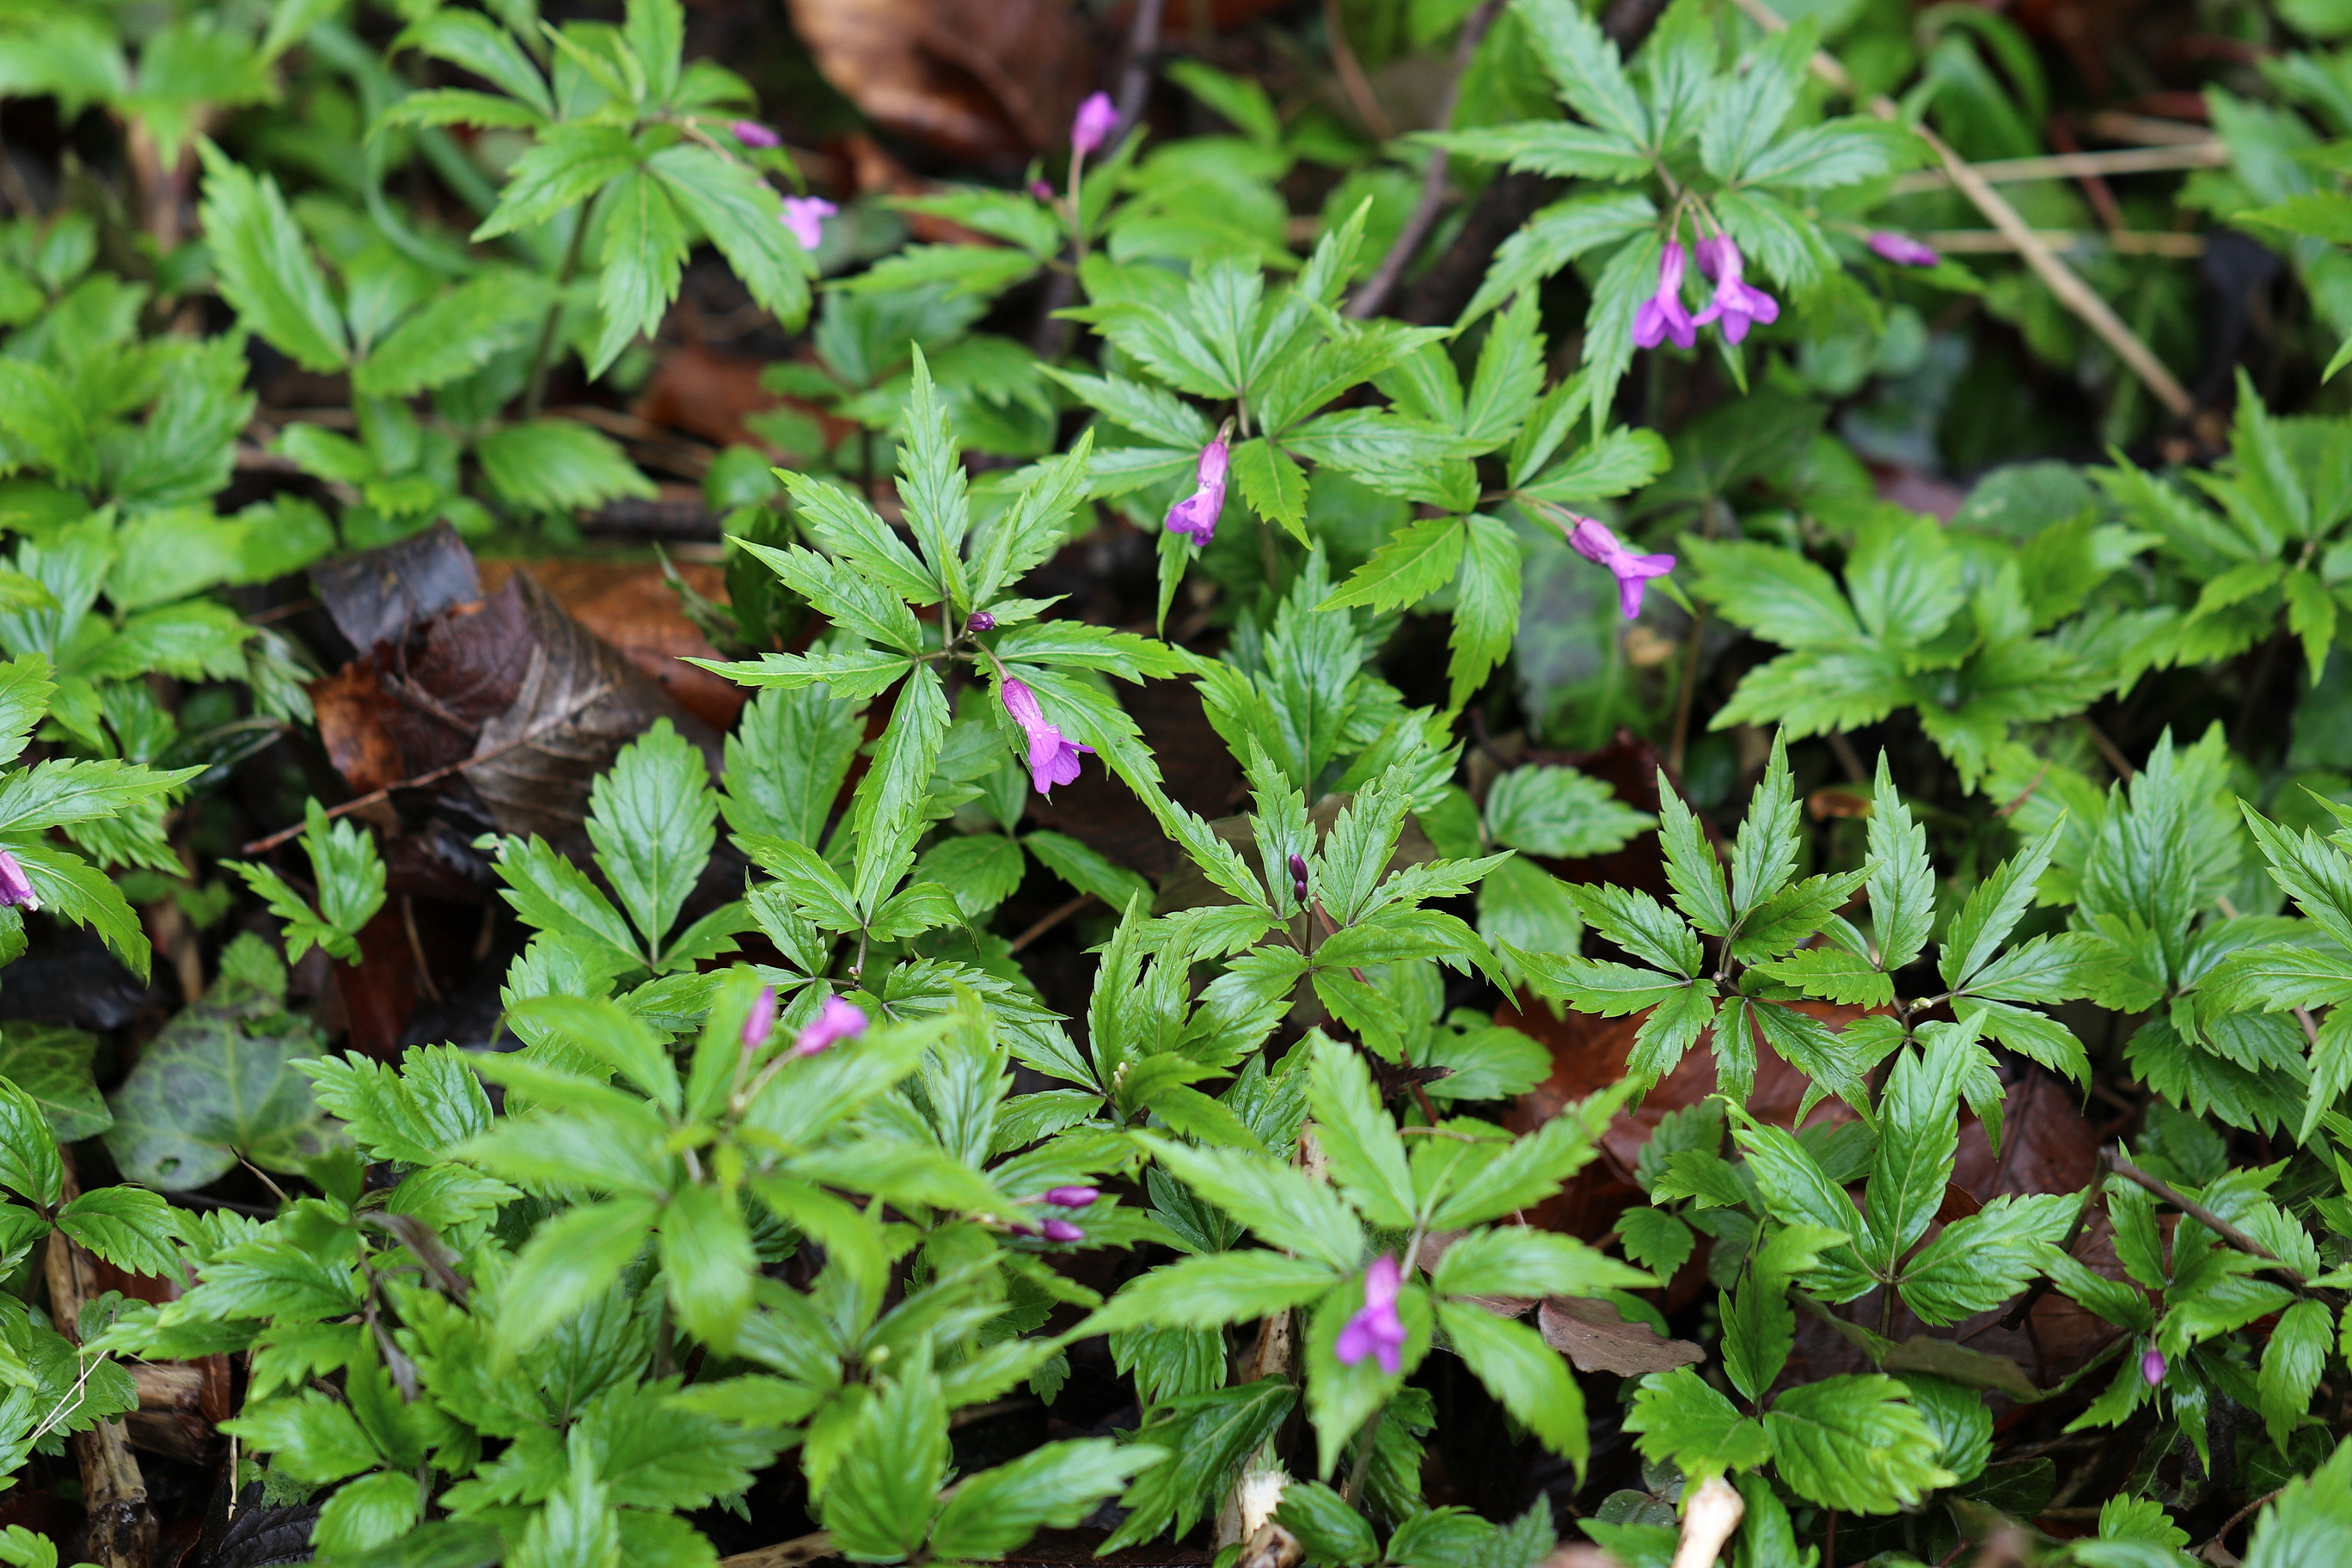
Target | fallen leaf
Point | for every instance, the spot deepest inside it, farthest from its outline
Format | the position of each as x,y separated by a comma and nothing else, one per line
981,79
629,605
1596,1339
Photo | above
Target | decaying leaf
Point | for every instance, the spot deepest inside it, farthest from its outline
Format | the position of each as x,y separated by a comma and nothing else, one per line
1592,1335
981,78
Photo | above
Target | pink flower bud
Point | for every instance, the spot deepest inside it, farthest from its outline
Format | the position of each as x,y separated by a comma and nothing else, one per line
980,621
1097,117
15,886
837,1021
761,1021
1195,516
1041,190
1902,249
1071,1197
2151,1366
1299,878
1062,1230
751,133
1376,1330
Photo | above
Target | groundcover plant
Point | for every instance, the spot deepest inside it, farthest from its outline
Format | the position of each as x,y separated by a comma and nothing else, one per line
1430,782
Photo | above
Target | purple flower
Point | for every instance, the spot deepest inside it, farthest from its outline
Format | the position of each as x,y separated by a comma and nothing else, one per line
1376,1330
1591,539
1299,878
761,1022
751,133
1736,305
1095,118
837,1020
1062,1230
2151,1366
804,217
14,887
980,621
1661,315
1041,190
1052,757
1195,516
1902,249
1071,1197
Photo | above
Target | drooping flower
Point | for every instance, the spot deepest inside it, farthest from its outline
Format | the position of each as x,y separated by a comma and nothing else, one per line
761,1021
804,217
1902,249
751,133
1299,878
1095,118
2151,1366
1052,756
1591,539
837,1021
1662,315
1195,516
14,888
1736,304
1376,1330
1071,1197
1062,1230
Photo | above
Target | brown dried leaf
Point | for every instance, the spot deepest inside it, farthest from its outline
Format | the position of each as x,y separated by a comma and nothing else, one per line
1596,1339
978,78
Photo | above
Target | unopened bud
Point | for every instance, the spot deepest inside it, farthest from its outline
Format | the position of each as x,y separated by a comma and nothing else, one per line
1071,1197
2151,1367
1062,1230
1298,877
980,621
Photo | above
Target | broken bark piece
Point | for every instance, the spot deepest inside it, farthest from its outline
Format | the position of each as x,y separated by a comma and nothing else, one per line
1594,1338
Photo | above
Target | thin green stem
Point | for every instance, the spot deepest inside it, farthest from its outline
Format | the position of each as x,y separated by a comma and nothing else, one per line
542,355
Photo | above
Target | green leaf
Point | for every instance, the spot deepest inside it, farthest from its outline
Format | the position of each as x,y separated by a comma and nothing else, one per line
128,1226
1918,1134
569,164
1056,1485
883,1489
264,266
1286,1209
211,1087
371,1511
28,1154
1902,881
37,411
1213,1290
1528,1376
652,818
644,251
455,334
1273,483
1414,563
1086,870
1486,608
2310,1524
1982,1260
1366,1155
2291,1364
1679,1419
311,1438
571,1261
1854,1442
744,218
1559,812
558,466
51,1063
1331,1529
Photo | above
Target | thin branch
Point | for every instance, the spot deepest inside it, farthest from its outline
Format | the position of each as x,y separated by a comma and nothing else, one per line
2072,291
2198,1211
1135,73
1051,919
785,1553
1352,77
2206,154
1383,282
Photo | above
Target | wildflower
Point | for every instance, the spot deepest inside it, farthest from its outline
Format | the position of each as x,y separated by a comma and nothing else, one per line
837,1020
1902,249
1041,190
761,1022
980,621
1662,315
14,887
1096,117
1052,756
1735,304
751,133
1071,1197
1376,1330
1299,878
2151,1366
1195,516
1062,1230
1590,538
804,217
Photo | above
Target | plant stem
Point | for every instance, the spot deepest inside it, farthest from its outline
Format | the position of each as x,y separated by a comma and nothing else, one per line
1401,251
541,356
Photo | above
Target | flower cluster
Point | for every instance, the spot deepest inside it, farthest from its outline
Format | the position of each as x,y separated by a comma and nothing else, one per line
1736,306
